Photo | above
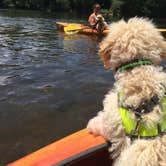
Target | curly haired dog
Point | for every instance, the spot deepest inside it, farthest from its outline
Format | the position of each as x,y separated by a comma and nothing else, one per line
134,115
101,24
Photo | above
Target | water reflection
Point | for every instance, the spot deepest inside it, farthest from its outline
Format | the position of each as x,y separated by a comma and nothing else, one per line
80,44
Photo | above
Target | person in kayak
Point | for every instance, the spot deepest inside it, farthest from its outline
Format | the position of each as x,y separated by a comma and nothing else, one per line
96,20
93,17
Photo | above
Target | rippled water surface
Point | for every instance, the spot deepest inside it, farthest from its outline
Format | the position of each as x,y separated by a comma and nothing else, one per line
50,83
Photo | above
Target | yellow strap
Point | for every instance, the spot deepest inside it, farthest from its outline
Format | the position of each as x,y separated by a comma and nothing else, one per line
144,131
163,120
128,122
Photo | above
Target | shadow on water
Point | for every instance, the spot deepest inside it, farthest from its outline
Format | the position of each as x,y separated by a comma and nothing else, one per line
46,79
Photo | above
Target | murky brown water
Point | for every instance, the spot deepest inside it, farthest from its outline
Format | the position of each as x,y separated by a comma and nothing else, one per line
50,84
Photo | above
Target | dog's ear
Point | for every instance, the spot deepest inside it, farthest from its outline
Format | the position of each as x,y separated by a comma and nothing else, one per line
163,47
105,56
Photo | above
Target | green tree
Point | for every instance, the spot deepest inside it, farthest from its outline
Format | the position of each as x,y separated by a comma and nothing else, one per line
119,8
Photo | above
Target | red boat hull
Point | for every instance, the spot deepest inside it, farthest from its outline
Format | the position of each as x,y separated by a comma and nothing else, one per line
78,149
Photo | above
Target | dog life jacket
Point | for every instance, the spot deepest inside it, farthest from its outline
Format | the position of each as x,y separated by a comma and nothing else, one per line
135,127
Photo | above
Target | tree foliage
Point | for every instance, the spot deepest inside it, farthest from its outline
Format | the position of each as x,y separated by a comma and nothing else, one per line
119,8
150,8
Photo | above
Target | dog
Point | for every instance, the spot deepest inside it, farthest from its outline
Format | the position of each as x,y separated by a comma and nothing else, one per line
133,118
101,24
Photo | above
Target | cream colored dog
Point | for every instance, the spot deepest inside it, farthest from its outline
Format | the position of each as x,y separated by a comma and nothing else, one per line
134,115
101,24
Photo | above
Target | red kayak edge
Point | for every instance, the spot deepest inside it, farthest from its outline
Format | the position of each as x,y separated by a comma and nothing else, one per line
78,149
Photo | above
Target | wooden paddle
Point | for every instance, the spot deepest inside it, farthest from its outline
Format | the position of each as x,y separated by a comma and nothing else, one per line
73,29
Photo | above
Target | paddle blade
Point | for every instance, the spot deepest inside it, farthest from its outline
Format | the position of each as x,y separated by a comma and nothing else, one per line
72,29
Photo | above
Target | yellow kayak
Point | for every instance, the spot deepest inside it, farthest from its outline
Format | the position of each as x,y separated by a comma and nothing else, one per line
83,28
89,31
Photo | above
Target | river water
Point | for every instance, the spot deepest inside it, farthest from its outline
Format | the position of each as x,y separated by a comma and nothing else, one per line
51,84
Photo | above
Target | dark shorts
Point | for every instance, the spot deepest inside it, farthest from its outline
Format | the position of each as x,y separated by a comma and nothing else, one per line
93,26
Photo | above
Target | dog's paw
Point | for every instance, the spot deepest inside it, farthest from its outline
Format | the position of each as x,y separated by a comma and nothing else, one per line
92,127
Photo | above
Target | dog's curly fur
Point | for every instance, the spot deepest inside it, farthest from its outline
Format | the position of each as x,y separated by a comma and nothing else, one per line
101,25
136,39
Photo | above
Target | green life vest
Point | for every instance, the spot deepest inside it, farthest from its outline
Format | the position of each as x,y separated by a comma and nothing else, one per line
140,129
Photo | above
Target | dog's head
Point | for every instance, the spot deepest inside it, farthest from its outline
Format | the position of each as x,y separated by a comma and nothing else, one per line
100,17
136,39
